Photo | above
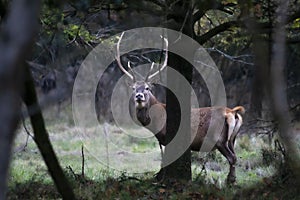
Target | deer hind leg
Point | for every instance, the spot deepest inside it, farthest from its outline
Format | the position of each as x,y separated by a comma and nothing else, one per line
230,119
236,129
231,158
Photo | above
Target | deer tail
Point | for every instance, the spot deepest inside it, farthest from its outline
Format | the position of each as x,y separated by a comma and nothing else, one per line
239,109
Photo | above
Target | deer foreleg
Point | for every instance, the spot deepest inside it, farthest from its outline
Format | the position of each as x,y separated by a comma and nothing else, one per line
161,150
161,174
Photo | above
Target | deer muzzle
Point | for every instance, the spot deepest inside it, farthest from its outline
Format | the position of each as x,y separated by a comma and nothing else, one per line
140,97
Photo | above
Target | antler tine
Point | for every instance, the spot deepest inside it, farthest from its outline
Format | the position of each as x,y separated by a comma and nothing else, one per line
165,61
129,67
151,68
118,58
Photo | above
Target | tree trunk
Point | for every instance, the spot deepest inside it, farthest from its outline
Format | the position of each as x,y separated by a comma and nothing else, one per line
262,66
279,95
180,169
17,32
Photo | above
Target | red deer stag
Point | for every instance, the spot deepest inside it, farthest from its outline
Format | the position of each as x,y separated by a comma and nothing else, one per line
144,100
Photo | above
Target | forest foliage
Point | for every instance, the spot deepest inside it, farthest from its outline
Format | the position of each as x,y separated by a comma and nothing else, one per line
240,37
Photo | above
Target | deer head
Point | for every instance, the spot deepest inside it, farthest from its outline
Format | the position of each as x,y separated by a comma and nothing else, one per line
142,90
142,94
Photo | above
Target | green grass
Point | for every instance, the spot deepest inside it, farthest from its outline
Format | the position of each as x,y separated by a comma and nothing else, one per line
111,172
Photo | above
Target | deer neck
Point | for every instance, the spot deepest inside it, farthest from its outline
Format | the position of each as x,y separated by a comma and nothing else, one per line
143,117
142,114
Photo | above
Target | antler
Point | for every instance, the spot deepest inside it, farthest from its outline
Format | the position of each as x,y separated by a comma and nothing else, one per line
118,58
151,68
149,77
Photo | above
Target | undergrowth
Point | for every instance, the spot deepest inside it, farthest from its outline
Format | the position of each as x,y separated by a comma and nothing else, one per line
261,172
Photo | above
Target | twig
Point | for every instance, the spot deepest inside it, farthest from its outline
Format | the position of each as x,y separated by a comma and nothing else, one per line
206,65
294,107
82,163
211,22
260,120
77,31
293,86
158,2
106,144
182,26
233,58
126,178
23,147
280,147
25,128
76,176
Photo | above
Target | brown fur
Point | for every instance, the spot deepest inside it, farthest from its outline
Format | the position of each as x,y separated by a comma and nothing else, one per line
152,114
200,122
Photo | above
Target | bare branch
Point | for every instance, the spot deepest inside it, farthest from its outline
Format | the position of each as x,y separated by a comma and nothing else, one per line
200,13
23,147
232,58
219,29
263,27
183,24
158,2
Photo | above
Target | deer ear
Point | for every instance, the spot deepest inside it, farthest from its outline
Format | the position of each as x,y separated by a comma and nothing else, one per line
155,80
128,82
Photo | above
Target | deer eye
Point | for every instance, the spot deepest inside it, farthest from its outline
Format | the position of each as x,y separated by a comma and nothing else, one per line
147,88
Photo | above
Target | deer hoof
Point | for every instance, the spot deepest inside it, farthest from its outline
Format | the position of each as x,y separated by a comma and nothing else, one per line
231,180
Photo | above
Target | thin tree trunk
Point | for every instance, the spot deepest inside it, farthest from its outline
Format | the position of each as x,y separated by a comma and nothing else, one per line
261,72
9,112
16,37
279,95
41,138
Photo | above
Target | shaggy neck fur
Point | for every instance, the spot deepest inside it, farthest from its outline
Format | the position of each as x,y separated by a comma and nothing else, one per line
142,115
